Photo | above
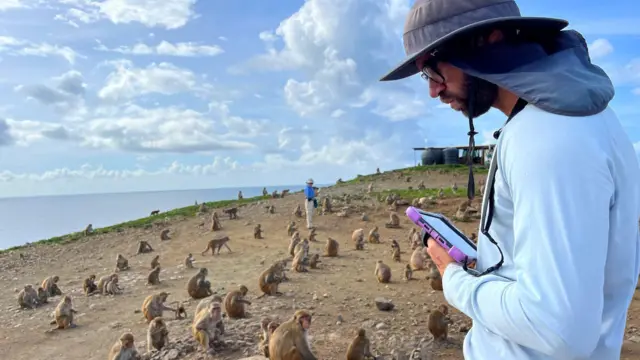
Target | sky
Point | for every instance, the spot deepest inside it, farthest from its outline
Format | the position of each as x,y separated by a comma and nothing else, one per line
137,95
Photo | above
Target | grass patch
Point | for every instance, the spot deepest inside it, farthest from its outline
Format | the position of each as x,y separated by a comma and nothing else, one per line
441,169
415,193
188,211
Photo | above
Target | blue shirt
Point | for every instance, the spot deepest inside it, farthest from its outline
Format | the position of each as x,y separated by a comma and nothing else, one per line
567,203
309,193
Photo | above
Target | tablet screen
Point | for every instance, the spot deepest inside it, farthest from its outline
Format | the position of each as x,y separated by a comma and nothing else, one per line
448,233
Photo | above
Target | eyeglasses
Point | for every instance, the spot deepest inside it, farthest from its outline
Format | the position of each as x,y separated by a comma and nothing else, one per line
430,73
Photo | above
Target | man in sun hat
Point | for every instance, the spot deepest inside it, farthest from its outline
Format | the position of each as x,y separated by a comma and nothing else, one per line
309,202
559,247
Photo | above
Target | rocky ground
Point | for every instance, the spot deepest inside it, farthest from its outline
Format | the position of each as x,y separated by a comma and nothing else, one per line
340,293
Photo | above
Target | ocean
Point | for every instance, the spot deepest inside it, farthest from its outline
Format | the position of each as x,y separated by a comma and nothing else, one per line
29,219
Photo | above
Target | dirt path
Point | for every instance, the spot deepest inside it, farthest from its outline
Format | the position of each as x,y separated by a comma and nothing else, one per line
343,288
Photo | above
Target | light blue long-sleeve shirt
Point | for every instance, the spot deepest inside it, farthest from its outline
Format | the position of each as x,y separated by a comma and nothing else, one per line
567,203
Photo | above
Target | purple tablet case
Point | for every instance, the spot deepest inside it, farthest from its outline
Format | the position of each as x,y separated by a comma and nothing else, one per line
429,232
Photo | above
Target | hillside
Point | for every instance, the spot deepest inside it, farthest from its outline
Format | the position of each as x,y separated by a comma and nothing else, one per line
340,293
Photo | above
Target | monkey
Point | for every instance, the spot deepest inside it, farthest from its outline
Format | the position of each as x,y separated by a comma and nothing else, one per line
198,287
419,259
421,185
358,238
64,314
154,212
408,273
268,327
331,248
304,245
28,298
290,340
43,296
232,212
164,235
382,272
217,243
155,262
204,327
270,209
204,303
215,222
111,287
88,230
326,206
394,221
435,280
234,303
203,208
157,334
370,188
89,286
124,348
454,187
295,240
374,236
298,264
441,193
473,237
103,282
297,212
153,278
188,261
314,260
275,194
359,349
122,263
291,228
264,191
270,279
240,196
312,235
395,244
284,193
153,306
257,232
181,312
144,247
378,171
411,233
395,254
50,285
438,323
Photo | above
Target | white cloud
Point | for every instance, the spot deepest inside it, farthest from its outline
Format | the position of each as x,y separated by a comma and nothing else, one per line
151,13
343,47
600,48
184,49
12,4
216,167
14,46
127,81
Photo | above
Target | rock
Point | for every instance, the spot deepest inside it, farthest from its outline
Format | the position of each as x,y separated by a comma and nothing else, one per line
256,357
381,326
173,354
383,304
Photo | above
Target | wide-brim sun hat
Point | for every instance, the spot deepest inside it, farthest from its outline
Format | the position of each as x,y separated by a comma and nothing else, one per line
432,23
310,181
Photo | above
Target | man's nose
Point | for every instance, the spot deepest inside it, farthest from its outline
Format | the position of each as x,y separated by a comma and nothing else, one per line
435,88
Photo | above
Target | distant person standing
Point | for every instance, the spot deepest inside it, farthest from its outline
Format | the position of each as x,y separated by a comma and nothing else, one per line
309,202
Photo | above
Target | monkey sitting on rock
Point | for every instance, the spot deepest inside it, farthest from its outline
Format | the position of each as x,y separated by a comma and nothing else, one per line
359,349
89,286
124,348
257,232
198,287
394,221
50,286
157,334
205,327
234,303
122,263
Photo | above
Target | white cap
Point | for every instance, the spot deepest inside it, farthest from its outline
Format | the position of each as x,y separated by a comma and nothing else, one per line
310,181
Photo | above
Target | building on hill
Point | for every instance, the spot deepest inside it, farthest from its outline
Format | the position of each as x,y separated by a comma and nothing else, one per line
454,155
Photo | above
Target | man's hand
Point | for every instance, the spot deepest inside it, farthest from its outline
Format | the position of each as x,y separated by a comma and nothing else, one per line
439,256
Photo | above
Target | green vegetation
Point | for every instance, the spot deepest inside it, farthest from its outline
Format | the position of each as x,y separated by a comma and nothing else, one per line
415,193
188,211
441,169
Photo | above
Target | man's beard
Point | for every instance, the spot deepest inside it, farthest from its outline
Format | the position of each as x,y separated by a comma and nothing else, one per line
486,94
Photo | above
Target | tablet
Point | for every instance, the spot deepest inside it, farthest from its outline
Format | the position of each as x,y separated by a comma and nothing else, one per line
439,228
